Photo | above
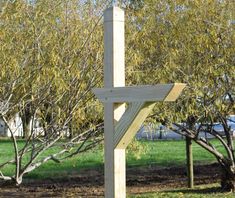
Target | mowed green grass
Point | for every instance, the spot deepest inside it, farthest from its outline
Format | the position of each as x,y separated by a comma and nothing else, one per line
201,191
142,153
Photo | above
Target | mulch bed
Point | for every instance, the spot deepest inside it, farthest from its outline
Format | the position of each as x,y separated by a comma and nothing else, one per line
90,183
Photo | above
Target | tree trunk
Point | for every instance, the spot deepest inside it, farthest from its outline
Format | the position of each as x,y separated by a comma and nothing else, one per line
228,179
26,115
71,135
189,153
26,128
189,156
18,181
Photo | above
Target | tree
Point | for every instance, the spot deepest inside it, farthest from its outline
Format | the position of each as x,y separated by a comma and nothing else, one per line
190,42
50,58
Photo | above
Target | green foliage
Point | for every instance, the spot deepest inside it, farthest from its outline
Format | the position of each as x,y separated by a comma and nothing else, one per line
190,42
50,59
184,41
159,153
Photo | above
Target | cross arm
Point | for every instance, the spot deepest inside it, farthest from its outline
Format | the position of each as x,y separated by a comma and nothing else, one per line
159,92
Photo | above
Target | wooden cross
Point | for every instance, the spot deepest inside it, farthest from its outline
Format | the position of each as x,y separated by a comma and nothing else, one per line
120,124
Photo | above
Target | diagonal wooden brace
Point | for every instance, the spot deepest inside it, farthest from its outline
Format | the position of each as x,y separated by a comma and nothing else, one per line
130,122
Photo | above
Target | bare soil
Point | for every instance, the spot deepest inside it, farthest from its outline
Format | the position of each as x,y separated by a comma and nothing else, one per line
90,183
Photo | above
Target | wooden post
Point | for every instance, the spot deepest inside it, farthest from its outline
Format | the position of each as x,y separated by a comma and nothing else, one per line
121,125
189,156
114,76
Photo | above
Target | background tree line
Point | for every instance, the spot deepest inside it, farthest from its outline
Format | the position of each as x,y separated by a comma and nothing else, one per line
51,56
190,42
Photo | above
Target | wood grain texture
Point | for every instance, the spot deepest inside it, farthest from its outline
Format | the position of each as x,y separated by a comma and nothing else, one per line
114,76
130,123
120,126
160,92
175,92
114,48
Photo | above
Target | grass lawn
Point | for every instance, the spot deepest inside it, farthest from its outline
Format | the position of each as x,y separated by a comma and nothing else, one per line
204,191
166,153
142,153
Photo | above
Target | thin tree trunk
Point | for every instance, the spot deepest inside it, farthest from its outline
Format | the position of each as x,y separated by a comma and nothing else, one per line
189,155
26,117
71,135
26,128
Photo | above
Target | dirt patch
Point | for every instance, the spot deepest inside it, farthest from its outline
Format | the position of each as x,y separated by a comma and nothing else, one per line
90,183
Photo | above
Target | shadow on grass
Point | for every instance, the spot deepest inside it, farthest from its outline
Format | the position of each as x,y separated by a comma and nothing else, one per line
208,190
